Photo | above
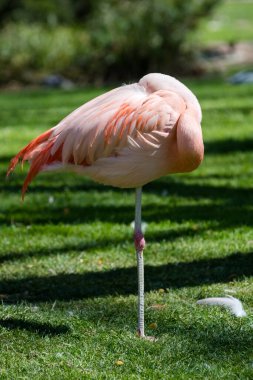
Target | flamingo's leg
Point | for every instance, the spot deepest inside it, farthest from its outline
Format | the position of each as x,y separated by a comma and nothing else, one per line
139,245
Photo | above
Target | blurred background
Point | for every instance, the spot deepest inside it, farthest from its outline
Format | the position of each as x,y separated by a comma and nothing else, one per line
63,43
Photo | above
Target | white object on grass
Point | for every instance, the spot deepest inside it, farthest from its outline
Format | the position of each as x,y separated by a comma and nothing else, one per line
50,199
229,302
144,225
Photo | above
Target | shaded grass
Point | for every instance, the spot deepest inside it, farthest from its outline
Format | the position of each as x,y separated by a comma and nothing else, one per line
68,273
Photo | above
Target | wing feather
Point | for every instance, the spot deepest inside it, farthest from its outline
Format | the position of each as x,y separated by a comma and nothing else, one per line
96,134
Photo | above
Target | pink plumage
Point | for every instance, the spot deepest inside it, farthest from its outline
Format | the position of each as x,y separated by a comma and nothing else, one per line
126,137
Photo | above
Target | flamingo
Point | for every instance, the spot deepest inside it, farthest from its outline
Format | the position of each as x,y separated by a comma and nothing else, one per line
125,138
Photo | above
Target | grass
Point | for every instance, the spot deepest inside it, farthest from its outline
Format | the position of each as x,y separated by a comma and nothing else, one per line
238,14
68,271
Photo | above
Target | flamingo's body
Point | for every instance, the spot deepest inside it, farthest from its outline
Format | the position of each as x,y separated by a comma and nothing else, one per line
125,138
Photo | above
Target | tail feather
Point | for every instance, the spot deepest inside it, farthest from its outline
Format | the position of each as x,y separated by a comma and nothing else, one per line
43,158
38,152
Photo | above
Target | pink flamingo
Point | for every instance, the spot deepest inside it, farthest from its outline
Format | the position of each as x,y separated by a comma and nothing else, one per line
126,138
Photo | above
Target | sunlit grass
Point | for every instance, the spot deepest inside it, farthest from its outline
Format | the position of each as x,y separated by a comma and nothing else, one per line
68,272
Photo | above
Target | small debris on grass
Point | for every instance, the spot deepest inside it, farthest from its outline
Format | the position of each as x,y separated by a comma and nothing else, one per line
119,362
153,325
195,227
100,261
3,296
59,355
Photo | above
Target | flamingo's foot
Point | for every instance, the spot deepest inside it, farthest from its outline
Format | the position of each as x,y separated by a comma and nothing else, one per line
146,337
139,241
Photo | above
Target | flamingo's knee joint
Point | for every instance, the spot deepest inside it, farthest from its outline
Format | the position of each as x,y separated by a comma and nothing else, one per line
139,241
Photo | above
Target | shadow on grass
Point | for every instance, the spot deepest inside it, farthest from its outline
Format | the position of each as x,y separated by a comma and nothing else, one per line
229,146
42,329
123,281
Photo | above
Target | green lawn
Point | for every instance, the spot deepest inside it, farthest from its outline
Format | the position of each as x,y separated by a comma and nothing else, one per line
231,21
68,272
